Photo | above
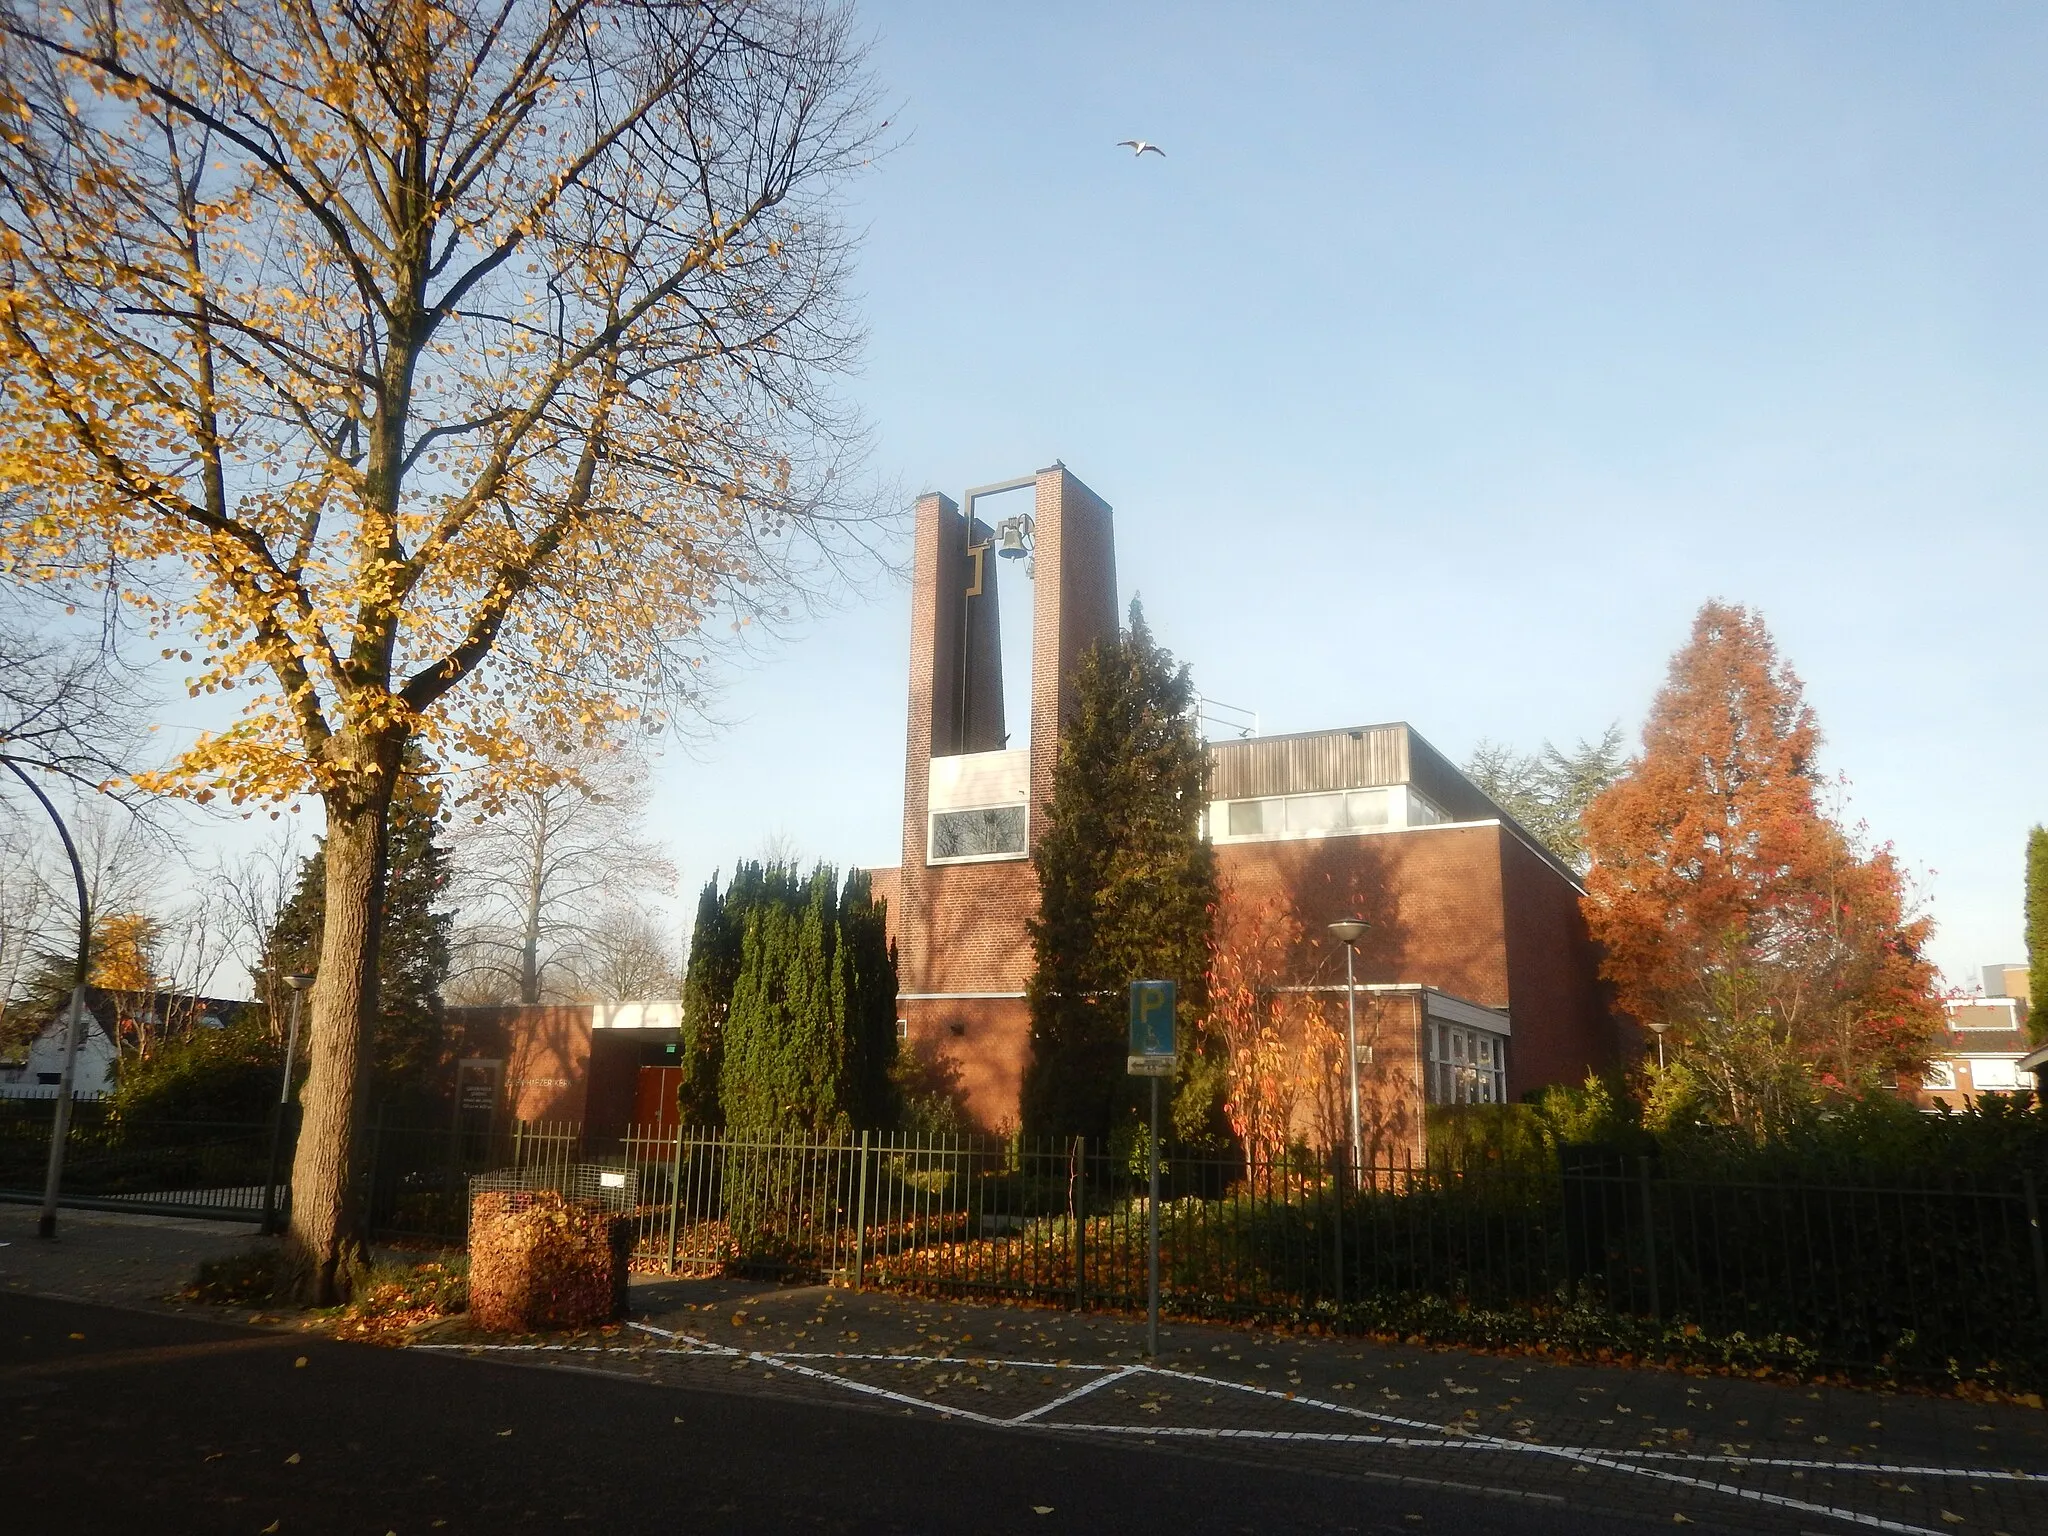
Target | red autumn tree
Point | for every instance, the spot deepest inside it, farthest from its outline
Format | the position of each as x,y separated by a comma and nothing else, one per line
1734,908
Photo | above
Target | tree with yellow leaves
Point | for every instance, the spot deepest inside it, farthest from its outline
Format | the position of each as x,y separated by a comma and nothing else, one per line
442,371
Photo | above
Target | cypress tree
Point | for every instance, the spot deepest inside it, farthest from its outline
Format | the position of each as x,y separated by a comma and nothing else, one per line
708,981
815,1048
785,1067
712,975
750,1095
864,999
1126,882
2037,934
790,1005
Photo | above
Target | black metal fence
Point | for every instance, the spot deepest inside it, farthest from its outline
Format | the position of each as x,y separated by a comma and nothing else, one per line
175,1167
1936,1276
1933,1277
413,1180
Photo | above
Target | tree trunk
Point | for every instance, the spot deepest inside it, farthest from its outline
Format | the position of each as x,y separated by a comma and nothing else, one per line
529,949
325,1241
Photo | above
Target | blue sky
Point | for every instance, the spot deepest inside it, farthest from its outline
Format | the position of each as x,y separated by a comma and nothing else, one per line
1451,358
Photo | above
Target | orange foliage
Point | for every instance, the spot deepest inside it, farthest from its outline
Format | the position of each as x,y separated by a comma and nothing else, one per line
1270,1038
1731,905
537,1261
124,953
1285,1048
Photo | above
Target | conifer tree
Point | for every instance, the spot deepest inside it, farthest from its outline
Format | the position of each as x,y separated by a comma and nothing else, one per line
1730,906
864,998
1127,884
784,1055
708,980
713,973
2037,934
790,1004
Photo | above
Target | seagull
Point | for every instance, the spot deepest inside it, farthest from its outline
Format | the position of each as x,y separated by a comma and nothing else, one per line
1140,147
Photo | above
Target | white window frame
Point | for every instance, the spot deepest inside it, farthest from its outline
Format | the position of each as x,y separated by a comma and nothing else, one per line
931,836
1466,1064
1408,810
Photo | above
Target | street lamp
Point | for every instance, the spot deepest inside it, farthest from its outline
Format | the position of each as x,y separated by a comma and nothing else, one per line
74,1024
1348,931
298,982
1658,1031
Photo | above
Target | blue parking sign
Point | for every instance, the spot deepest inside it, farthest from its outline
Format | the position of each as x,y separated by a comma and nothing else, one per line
1152,1034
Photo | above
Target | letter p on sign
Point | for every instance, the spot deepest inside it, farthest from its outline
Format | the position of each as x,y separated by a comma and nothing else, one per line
1152,1033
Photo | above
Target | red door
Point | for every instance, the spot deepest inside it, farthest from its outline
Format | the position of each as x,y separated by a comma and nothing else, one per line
654,1097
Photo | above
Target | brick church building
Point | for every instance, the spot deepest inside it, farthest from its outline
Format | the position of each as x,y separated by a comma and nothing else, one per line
1479,976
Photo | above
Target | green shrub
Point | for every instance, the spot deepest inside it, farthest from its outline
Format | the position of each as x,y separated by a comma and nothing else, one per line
212,1075
1879,1137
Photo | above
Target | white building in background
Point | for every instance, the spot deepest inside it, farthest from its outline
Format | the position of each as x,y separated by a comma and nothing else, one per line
1987,1049
110,1018
37,1075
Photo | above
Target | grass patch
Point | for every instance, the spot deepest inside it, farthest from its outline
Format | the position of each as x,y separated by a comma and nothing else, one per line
247,1279
394,1297
387,1298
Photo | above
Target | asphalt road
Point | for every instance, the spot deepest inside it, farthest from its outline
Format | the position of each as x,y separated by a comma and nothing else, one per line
129,1422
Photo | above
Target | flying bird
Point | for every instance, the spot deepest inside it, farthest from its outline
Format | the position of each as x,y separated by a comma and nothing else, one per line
1140,147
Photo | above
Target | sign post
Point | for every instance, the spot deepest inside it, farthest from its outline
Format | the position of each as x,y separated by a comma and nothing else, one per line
1152,1055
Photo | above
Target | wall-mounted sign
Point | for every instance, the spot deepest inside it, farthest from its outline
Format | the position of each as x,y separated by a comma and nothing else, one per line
476,1085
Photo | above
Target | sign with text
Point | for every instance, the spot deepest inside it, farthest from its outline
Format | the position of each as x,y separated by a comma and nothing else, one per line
1152,1042
476,1085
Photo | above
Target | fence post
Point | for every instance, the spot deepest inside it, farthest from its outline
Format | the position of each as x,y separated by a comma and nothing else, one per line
2034,1233
1080,1223
860,1216
1340,1158
368,1186
1649,1236
675,1199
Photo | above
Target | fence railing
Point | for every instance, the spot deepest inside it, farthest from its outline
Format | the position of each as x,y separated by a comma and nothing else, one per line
412,1180
1926,1276
180,1168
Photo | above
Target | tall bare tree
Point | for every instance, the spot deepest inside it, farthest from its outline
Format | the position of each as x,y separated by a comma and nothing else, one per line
630,952
441,370
562,865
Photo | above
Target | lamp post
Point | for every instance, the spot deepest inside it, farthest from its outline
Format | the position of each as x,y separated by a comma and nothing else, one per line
298,982
1658,1031
74,1026
1348,931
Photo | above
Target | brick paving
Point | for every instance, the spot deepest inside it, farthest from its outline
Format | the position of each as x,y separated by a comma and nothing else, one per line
1682,1449
114,1258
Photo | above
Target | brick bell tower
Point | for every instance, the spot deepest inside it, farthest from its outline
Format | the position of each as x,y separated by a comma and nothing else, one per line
972,808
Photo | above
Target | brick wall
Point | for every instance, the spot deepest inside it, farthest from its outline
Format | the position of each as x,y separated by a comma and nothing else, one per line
1563,1027
887,885
937,555
974,1049
545,1049
1432,896
961,927
1391,1115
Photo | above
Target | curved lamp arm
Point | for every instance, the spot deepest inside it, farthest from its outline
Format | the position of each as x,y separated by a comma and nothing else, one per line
60,1124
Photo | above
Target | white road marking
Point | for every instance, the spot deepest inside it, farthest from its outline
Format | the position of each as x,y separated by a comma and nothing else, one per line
1081,1391
1632,1463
